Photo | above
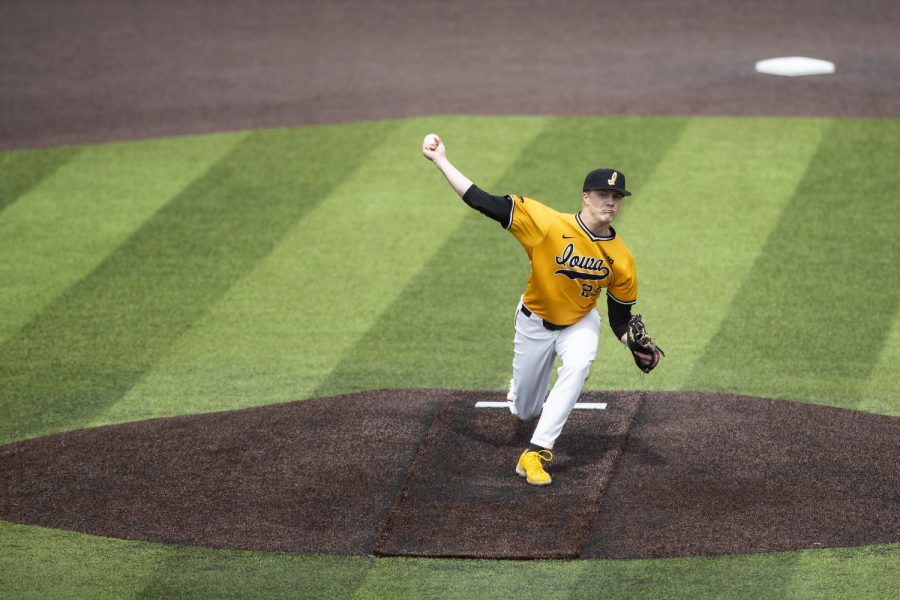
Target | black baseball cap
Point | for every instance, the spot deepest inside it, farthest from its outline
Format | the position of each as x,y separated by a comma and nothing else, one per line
605,179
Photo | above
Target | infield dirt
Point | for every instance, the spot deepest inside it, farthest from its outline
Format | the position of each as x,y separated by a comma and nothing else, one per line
76,72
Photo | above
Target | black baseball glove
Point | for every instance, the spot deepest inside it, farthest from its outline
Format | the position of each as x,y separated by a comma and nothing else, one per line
640,341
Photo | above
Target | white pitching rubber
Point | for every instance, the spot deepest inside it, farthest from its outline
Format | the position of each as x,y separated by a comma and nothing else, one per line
578,405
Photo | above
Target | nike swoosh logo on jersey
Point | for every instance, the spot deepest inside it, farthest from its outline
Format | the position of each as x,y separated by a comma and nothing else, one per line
568,237
571,274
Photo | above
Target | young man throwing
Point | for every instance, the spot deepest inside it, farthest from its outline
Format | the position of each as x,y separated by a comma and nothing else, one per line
573,257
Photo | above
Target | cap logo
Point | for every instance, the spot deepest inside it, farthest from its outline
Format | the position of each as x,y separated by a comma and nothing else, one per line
612,180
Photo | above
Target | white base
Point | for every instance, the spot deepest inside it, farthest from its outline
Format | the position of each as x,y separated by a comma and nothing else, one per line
795,66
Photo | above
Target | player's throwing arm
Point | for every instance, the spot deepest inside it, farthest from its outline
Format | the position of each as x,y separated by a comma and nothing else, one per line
435,151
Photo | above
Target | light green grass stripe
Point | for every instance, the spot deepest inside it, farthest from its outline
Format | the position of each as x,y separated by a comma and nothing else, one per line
835,573
867,572
812,316
452,325
696,231
282,329
91,345
65,224
23,169
880,393
44,563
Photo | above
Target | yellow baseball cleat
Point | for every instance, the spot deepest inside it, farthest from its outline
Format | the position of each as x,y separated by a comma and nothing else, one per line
531,468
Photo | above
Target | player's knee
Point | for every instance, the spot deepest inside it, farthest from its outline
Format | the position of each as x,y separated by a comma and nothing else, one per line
581,365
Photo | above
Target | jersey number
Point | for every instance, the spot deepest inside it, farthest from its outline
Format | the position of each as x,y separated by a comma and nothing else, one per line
588,290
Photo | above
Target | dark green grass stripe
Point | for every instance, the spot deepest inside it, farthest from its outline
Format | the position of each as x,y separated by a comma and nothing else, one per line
433,337
22,170
90,346
824,288
204,573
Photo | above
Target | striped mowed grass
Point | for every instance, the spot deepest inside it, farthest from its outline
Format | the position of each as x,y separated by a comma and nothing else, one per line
196,274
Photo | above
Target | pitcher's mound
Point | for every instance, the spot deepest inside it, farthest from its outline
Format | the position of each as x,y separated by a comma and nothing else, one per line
425,473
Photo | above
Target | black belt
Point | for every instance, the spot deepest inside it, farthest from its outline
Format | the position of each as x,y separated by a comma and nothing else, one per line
547,324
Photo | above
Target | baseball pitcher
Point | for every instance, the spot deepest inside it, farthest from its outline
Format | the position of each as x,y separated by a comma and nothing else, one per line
573,257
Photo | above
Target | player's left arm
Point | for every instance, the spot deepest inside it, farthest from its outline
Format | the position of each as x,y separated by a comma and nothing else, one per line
633,334
629,328
619,315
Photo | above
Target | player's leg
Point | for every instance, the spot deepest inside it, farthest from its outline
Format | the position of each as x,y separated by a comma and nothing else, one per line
577,349
533,354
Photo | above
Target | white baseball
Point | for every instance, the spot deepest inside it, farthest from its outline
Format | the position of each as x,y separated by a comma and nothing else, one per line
430,141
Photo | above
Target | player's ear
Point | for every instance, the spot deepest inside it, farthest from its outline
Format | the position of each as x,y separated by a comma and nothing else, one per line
584,198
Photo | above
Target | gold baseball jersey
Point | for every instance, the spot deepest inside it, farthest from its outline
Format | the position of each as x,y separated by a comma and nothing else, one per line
569,264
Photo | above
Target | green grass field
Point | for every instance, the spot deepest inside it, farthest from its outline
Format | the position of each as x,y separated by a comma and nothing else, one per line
207,273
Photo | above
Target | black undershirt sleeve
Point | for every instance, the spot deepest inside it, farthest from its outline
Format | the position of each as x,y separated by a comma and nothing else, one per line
498,208
619,314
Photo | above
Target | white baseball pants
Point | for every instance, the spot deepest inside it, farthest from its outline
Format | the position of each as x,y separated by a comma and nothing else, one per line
535,348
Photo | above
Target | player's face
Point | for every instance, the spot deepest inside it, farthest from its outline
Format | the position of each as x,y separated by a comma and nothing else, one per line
603,205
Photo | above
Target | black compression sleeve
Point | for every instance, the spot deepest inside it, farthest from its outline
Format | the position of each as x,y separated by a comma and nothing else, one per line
499,208
619,314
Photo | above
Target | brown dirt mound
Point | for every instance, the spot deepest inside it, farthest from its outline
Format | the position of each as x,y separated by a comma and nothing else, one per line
421,472
714,474
313,476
